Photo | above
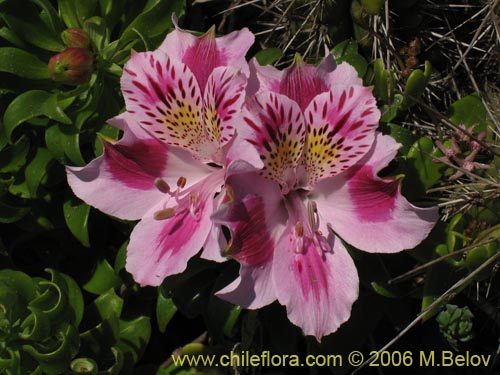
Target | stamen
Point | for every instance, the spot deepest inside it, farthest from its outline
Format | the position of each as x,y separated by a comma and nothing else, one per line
164,214
312,214
162,185
181,182
193,205
299,229
298,239
229,198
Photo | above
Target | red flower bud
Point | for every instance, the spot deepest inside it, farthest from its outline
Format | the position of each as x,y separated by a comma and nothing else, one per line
75,38
73,66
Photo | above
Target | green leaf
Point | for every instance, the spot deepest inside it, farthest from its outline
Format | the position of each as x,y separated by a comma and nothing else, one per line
134,336
30,105
20,282
103,279
85,9
420,156
76,215
13,157
53,19
64,143
389,112
22,64
12,37
11,214
268,56
154,20
37,170
57,360
67,10
108,305
469,110
97,32
356,60
75,298
34,32
415,86
165,310
403,136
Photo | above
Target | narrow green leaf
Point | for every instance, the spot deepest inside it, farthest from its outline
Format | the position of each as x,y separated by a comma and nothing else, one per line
35,33
53,19
22,64
67,10
77,216
154,20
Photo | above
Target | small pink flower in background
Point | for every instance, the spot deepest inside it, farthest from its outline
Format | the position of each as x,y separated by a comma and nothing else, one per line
182,103
308,180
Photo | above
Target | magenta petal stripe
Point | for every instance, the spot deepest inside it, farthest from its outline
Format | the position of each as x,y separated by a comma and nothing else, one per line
340,130
222,102
275,127
163,96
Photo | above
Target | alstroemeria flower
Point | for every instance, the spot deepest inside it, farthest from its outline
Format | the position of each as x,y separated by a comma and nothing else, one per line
314,132
182,103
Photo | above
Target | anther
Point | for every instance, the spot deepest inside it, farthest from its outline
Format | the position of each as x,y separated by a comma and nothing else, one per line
299,229
181,182
161,185
164,214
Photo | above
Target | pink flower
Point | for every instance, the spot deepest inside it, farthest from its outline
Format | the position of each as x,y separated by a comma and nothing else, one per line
310,180
182,102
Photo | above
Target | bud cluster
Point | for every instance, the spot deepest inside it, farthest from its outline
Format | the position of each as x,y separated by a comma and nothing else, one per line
75,64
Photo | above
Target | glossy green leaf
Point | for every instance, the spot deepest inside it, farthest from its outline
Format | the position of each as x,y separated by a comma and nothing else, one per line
165,310
134,336
35,33
356,60
385,82
37,170
76,215
268,56
85,9
420,155
57,360
415,86
12,37
97,32
469,110
30,105
154,20
22,64
53,18
67,10
53,301
20,282
103,278
121,258
108,305
63,141
390,111
75,298
13,157
84,366
402,135
36,326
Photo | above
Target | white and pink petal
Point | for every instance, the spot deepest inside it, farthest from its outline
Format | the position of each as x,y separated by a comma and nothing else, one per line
370,212
317,287
162,95
274,126
171,233
121,181
341,127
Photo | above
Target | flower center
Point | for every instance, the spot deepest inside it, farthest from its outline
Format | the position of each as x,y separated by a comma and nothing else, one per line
192,200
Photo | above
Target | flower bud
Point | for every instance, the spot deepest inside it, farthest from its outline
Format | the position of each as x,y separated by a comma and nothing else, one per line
73,66
75,38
